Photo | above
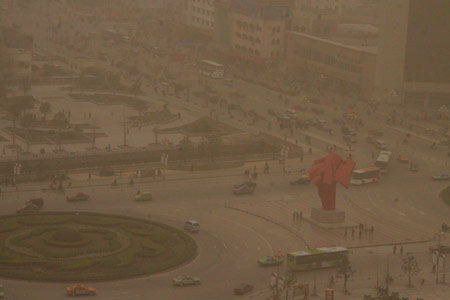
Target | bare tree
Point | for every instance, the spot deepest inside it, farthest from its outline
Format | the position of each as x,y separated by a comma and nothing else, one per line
410,267
345,270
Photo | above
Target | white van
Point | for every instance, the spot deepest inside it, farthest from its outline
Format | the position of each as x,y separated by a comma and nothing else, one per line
191,226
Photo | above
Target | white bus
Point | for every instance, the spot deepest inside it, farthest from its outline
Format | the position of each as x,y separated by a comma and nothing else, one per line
211,69
366,175
383,159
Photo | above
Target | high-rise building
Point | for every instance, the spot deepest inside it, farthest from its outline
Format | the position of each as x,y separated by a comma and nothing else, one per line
257,28
413,62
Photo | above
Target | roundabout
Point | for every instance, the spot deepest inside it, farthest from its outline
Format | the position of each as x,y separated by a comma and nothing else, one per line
71,246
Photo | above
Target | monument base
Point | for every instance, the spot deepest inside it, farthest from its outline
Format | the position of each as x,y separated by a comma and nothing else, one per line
327,216
329,219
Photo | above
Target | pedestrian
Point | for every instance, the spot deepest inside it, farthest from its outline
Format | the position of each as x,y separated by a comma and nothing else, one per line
401,250
353,232
301,157
394,249
310,150
345,233
89,175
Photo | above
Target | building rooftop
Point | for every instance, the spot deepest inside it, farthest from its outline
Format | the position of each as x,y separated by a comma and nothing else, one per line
368,49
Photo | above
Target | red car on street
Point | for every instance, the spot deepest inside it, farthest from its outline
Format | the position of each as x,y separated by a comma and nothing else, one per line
80,290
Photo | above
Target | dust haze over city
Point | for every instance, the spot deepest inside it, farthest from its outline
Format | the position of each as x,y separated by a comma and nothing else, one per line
225,149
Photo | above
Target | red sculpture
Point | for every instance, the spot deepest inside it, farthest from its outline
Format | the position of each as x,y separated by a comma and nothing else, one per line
326,172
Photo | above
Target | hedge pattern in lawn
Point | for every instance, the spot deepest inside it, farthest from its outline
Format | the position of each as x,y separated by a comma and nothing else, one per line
445,195
83,246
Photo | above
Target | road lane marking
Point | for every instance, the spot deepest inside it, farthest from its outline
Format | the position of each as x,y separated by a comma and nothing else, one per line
399,212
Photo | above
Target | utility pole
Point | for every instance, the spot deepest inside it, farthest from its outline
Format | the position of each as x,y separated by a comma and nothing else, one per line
444,260
93,133
124,129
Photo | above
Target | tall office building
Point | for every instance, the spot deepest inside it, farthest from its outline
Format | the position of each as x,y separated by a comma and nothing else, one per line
413,62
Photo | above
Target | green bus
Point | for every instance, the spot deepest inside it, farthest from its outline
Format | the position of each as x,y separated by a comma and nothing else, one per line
315,258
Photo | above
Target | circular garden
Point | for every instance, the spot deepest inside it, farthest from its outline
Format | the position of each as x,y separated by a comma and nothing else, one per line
88,246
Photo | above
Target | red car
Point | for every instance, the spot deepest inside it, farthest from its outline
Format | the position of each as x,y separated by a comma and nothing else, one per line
80,290
403,159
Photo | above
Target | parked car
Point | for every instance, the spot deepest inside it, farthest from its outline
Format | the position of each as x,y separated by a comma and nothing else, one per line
246,187
28,209
183,280
78,197
270,260
243,289
304,179
39,202
80,290
441,177
145,196
192,226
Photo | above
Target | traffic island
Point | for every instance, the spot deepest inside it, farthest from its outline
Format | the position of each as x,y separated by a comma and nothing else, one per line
79,246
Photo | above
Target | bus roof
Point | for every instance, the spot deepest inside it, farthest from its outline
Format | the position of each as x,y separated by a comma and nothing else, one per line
319,251
370,169
210,62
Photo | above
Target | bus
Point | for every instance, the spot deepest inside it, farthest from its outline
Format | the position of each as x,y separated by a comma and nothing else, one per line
383,159
211,69
315,258
366,175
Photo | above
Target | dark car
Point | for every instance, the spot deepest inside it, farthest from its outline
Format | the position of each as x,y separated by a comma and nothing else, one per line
243,288
246,187
28,209
78,197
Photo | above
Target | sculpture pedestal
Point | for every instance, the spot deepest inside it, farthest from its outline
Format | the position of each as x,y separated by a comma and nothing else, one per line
327,216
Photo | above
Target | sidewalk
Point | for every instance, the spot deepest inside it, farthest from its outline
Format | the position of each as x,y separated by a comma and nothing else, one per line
429,291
